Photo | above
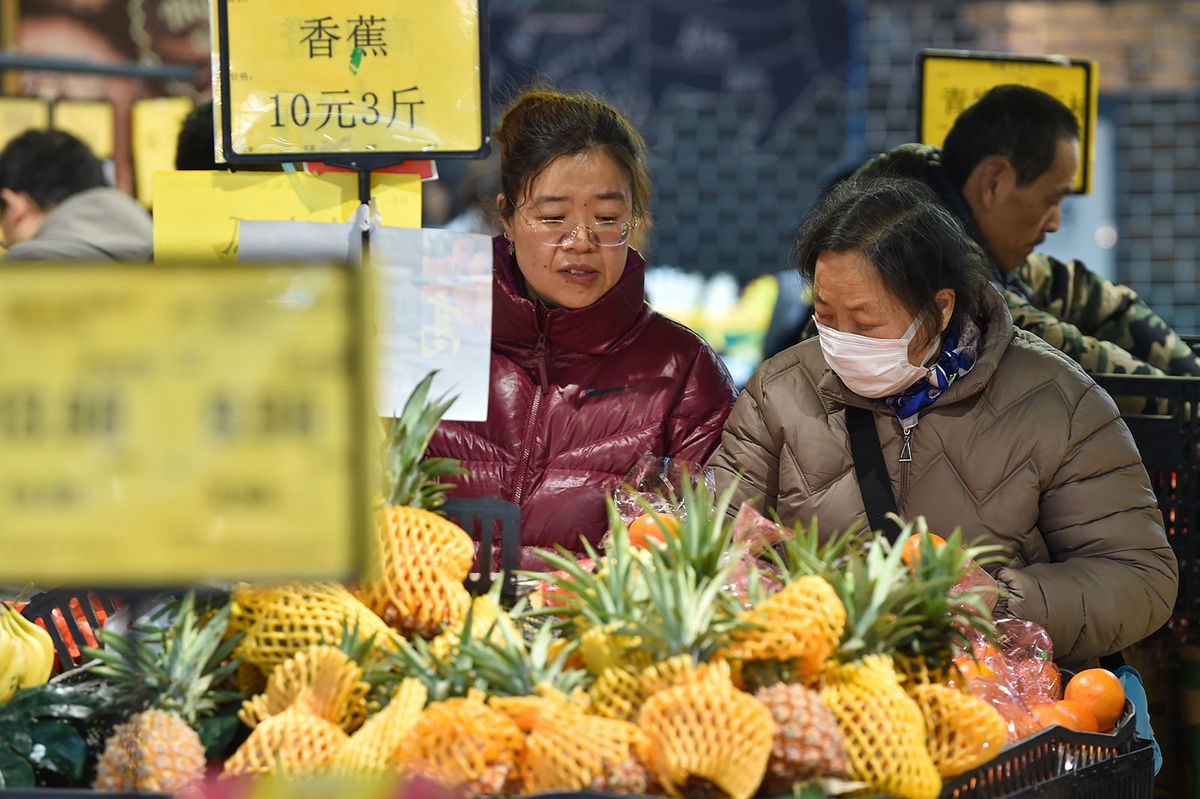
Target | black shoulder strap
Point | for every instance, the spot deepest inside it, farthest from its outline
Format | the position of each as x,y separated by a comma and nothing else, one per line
873,480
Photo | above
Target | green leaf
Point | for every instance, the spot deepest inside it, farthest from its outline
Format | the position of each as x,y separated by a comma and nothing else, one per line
15,771
218,733
58,747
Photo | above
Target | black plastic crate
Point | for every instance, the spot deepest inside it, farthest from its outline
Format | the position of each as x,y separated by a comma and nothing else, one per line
1058,762
1169,443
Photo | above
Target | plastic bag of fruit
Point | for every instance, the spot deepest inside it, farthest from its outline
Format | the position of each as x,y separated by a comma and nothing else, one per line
658,482
1014,674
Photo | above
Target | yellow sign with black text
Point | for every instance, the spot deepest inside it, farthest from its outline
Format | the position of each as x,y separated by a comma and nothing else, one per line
167,426
950,80
313,77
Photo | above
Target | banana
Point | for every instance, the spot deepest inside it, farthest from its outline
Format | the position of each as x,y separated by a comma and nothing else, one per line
42,665
12,662
39,649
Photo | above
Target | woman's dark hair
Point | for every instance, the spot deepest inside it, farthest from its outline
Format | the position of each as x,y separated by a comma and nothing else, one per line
543,125
917,246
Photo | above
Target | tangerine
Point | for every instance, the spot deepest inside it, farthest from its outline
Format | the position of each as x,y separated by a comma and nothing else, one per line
1101,691
910,552
650,527
1066,713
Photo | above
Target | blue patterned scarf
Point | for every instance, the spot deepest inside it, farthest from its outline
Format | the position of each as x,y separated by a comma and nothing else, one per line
958,356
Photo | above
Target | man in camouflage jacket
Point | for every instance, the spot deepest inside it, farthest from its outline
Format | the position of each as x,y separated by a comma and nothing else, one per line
1006,165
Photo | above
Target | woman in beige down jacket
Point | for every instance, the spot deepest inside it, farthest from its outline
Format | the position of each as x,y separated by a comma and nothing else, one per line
982,425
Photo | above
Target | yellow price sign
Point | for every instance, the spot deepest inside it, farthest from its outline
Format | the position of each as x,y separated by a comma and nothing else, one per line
312,78
950,80
178,425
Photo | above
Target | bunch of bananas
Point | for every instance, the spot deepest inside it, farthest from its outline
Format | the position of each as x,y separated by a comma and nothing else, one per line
26,653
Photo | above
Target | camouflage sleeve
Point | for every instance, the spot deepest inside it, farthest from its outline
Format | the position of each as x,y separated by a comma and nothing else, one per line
1096,356
1107,314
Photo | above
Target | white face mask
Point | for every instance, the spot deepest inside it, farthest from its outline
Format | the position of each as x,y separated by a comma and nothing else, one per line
872,367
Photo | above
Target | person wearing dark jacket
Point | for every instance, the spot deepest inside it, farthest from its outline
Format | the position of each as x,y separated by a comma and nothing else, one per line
585,377
1005,166
55,204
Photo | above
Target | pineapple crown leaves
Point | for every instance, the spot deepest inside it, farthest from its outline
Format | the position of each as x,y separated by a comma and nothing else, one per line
705,534
892,607
173,667
514,667
409,478
593,598
686,612
948,618
803,553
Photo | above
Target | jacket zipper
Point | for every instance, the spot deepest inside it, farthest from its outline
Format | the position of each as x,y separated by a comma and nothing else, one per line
905,460
542,356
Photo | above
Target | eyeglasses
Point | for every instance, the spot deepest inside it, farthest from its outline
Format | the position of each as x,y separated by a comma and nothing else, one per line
555,232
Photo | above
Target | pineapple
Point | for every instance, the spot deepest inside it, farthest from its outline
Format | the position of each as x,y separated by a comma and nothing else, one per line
882,726
169,676
807,742
327,679
705,733
466,746
280,619
460,741
292,743
298,723
567,749
962,731
423,558
376,746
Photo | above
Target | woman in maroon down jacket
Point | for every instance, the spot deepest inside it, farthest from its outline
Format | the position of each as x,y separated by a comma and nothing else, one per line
585,377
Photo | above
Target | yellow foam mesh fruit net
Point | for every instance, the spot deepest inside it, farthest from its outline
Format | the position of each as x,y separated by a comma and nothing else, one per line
376,746
710,730
326,678
567,749
616,694
464,744
962,731
801,623
282,619
882,727
673,671
423,560
294,742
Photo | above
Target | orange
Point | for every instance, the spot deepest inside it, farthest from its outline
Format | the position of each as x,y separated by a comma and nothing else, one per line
911,551
969,667
647,528
1101,691
1064,712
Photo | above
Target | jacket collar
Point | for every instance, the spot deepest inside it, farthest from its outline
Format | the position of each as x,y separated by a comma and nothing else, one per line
519,322
998,332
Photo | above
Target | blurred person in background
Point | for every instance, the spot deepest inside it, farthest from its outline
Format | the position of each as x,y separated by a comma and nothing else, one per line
585,377
55,204
977,424
1004,169
195,148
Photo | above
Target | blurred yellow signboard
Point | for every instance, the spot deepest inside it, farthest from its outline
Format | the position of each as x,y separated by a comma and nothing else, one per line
175,425
950,80
19,114
197,214
156,122
93,122
311,78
